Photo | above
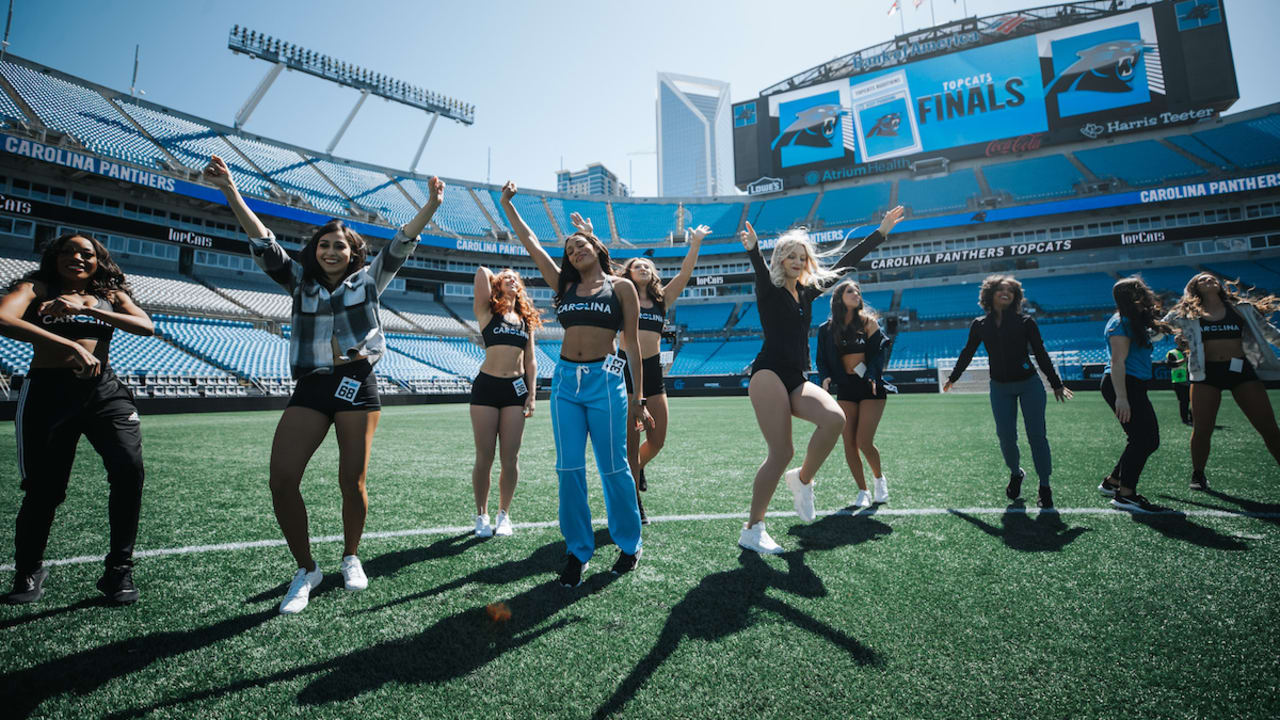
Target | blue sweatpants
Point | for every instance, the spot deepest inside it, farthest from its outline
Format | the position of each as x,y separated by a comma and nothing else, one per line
587,400
1005,398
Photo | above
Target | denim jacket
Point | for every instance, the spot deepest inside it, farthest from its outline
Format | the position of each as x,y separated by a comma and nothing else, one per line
1258,337
828,360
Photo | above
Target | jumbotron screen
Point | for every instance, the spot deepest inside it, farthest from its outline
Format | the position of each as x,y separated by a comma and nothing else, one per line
1164,64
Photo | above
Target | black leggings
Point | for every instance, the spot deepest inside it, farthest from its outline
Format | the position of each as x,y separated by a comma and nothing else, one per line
1143,430
54,409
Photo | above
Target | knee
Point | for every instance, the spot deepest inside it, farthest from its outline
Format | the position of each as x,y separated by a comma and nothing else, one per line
867,445
656,442
44,497
352,487
282,481
126,471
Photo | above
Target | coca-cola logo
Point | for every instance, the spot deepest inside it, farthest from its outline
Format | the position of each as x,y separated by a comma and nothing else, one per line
1022,143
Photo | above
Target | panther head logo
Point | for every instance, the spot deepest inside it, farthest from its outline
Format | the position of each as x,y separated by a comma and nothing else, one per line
887,125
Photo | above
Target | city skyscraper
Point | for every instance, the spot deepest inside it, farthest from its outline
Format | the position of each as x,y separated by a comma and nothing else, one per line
695,137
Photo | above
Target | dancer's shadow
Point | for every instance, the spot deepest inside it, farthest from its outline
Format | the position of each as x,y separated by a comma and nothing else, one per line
86,671
723,603
96,601
1178,526
1267,512
850,526
1044,533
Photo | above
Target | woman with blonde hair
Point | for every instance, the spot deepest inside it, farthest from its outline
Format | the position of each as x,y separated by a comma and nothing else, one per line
1228,348
785,291
502,394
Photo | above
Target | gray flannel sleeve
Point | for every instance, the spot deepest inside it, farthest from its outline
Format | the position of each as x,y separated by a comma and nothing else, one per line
274,261
390,259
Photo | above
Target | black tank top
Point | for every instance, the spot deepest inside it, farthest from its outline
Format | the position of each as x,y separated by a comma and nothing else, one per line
72,327
1228,328
603,310
849,343
653,319
500,332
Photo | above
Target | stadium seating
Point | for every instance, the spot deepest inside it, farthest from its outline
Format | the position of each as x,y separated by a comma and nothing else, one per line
851,205
13,268
177,295
780,214
369,189
293,173
880,300
1250,144
702,317
722,218
233,345
486,201
268,301
457,214
596,212
1034,178
425,314
942,302
1172,279
1139,164
940,194
9,110
1249,273
749,319
1087,291
644,222
732,358
534,214
84,114
922,348
693,354
456,356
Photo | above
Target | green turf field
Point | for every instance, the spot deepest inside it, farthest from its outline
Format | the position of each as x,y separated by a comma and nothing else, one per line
915,611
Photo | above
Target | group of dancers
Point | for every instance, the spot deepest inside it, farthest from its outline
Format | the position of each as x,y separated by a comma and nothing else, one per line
71,304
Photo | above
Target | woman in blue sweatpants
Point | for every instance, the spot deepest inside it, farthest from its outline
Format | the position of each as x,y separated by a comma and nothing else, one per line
588,397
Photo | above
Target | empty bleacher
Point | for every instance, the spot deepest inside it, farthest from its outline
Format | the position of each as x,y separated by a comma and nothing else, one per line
1139,164
456,356
780,214
644,222
459,212
732,357
704,317
1086,291
1249,273
1249,144
534,214
596,212
722,218
857,204
373,191
942,302
1034,178
693,354
1171,279
293,173
9,110
177,295
939,194
236,346
424,313
750,317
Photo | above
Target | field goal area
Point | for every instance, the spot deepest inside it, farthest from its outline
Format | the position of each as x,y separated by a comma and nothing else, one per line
977,376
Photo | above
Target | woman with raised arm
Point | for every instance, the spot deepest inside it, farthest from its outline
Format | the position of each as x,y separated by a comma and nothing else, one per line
1008,334
587,392
656,299
336,340
502,395
1130,334
785,291
68,308
851,353
1229,347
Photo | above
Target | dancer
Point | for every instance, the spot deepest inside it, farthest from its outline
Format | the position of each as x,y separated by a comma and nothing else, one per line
1176,359
785,291
1228,348
68,308
1130,333
656,300
1008,333
336,339
851,353
587,392
502,395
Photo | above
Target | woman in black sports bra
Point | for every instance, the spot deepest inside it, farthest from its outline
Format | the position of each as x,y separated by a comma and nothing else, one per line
656,300
587,394
785,291
67,309
502,395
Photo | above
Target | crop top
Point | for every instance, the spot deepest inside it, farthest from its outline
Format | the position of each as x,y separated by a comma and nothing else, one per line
602,310
1228,328
653,319
500,332
72,327
851,343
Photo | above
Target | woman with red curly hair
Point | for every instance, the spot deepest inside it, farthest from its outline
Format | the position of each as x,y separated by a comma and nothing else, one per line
502,395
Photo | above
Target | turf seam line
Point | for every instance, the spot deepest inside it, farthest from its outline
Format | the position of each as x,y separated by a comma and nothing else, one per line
458,529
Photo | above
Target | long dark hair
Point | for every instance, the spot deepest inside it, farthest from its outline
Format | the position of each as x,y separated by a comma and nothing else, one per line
105,280
861,314
987,293
311,271
1189,305
654,288
1136,303
570,275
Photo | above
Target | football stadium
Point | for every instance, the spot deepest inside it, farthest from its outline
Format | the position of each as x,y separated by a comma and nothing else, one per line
205,303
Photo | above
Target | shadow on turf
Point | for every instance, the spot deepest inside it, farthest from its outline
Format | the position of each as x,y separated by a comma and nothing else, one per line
724,603
1020,531
1178,526
1244,505
98,601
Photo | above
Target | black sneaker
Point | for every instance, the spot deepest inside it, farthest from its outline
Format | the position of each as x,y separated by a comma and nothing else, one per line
1199,481
644,519
1014,489
571,575
641,482
28,587
1134,503
1108,487
626,563
117,584
1045,499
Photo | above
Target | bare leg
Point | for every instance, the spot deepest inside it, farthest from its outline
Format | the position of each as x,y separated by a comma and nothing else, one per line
1253,401
355,438
773,414
868,423
1205,400
812,403
484,426
850,436
510,435
298,434
656,436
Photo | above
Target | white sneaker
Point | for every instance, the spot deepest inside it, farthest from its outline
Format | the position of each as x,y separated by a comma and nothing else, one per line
503,527
863,500
801,495
483,528
353,577
882,490
299,593
755,538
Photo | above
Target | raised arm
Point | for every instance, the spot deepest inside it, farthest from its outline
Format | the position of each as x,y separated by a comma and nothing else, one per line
390,259
15,304
218,174
751,243
966,355
482,289
872,241
672,290
546,266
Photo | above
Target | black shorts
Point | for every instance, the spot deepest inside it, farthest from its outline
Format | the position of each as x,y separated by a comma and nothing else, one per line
492,391
791,378
1219,375
349,387
857,389
653,381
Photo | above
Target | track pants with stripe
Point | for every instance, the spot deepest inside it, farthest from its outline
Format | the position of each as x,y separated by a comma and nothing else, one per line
54,409
587,401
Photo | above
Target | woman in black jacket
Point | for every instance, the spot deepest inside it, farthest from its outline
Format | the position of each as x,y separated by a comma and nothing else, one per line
1008,334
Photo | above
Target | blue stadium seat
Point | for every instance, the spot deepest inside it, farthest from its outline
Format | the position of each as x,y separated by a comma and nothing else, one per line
534,214
732,358
693,354
459,211
1034,178
942,302
293,173
780,214
1172,279
1087,291
456,356
1246,145
702,317
596,212
722,218
851,205
941,194
1249,273
9,109
1141,163
369,189
750,318
236,346
644,222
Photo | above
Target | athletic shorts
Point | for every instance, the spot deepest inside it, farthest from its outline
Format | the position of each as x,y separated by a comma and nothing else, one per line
857,389
1219,374
653,382
792,378
492,391
352,386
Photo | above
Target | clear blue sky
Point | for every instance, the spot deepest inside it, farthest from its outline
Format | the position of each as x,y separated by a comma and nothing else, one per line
572,80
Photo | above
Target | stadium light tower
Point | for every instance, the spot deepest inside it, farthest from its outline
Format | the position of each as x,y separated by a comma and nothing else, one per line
287,55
